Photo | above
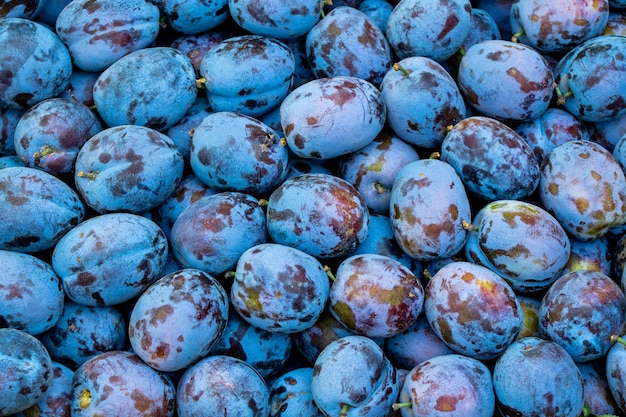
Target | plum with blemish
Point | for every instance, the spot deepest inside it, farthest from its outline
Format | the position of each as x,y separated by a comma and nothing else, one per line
110,258
375,295
598,397
212,233
493,161
347,42
473,310
99,32
290,395
584,187
373,169
51,133
268,77
333,116
119,383
320,214
56,400
182,131
127,168
80,87
25,371
83,332
50,206
27,9
596,255
505,80
195,46
188,296
427,208
222,383
433,30
9,118
192,16
581,311
446,385
28,280
279,288
530,308
378,11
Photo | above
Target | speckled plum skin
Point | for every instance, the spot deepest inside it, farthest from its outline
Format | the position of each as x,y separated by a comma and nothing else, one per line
234,152
560,25
127,168
279,288
192,17
333,116
183,130
590,74
545,366
276,18
505,80
56,400
522,242
320,214
347,42
581,311
25,371
446,385
83,332
333,385
188,296
427,207
35,63
118,381
212,233
110,258
375,295
29,281
270,67
419,28
616,373
50,134
50,205
99,32
473,310
598,396
423,101
584,187
152,87
222,383
290,395
493,161
27,9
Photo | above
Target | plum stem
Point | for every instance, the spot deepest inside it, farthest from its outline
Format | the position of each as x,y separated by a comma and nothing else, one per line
616,338
378,187
344,410
397,406
201,82
230,274
560,96
469,226
400,68
263,202
516,36
324,4
435,155
89,175
283,142
329,273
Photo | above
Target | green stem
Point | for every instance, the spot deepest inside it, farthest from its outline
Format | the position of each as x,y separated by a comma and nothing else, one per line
516,36
344,410
329,273
397,406
400,68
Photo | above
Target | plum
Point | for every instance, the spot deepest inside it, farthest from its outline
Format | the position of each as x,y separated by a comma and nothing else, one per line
56,400
192,16
290,395
276,18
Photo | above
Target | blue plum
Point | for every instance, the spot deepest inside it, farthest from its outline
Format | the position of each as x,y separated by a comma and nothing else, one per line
279,288
333,116
51,133
195,46
473,310
347,42
127,168
595,255
110,258
35,63
25,371
118,383
423,101
276,18
99,32
378,11
584,187
29,281
84,332
530,307
320,214
193,16
50,10
557,385
222,383
419,28
123,96
428,206
9,118
615,371
375,295
373,169
11,161
182,131
188,296
505,80
50,205
598,397
249,74
27,9
494,162
581,311
234,152
212,233
56,400
446,385
290,395
80,87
